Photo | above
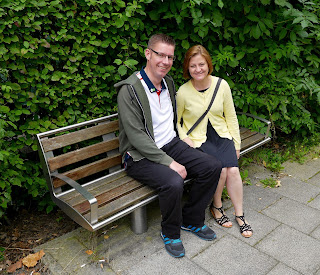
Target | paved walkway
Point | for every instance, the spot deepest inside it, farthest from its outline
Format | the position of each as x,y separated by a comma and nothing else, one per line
286,238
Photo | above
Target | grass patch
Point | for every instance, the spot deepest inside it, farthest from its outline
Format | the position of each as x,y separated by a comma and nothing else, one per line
269,182
283,149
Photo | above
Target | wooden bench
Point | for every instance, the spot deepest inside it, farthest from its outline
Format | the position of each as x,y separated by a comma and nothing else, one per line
82,167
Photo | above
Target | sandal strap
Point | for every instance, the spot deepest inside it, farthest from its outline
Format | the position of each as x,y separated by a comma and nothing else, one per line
223,219
245,226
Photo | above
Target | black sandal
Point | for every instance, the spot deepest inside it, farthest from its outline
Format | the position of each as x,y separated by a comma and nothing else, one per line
222,220
244,227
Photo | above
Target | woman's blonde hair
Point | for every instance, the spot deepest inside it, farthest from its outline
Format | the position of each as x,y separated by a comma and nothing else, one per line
195,50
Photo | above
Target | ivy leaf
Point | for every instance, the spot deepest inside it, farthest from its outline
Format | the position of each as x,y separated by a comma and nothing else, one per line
130,62
16,181
281,3
293,36
122,70
282,34
256,32
220,4
119,22
56,76
253,18
304,24
240,55
4,109
185,44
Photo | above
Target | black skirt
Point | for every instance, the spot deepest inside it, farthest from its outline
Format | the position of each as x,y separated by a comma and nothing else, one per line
221,148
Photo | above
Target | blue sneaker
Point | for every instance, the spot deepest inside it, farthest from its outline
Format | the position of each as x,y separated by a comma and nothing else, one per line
173,246
203,232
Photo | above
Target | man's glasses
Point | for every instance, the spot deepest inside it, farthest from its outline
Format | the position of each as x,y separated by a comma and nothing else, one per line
163,56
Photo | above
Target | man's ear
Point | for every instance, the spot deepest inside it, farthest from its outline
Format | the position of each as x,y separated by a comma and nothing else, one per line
147,53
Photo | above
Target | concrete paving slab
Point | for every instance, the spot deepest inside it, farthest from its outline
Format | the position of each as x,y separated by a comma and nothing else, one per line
297,190
162,263
315,180
294,214
315,202
303,171
293,248
232,256
193,245
257,173
66,253
281,269
316,233
258,198
261,225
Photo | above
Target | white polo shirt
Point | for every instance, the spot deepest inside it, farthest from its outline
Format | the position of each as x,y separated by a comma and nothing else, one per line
161,110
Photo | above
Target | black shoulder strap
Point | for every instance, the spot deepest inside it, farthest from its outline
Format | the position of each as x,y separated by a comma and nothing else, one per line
205,113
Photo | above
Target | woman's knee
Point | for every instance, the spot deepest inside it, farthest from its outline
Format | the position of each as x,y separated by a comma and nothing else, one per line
223,174
233,174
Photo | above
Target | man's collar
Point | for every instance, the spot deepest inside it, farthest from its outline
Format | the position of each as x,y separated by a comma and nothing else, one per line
150,85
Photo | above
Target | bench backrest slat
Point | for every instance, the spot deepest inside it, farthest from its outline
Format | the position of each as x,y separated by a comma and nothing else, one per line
78,136
82,154
89,169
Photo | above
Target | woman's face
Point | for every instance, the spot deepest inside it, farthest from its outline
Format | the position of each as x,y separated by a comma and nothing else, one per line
198,67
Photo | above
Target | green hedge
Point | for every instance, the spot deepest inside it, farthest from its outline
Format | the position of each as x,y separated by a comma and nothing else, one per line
60,59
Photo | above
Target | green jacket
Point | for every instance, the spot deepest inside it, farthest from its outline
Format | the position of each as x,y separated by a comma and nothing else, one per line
136,134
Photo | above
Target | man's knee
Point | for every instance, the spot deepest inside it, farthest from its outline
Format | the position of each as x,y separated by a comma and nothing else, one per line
173,184
214,164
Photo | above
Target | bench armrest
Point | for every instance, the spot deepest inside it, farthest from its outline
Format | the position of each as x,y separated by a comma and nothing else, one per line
261,119
91,199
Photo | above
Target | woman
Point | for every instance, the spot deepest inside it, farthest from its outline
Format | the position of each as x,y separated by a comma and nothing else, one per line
218,132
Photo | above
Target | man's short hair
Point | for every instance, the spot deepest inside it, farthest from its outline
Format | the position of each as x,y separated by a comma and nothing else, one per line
195,50
160,37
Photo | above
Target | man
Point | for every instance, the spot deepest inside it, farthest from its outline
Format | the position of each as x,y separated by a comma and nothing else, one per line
155,156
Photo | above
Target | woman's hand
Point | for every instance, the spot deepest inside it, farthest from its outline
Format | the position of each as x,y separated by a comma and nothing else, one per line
238,153
188,141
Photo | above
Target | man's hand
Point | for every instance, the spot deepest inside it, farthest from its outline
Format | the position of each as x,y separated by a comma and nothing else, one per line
180,169
188,141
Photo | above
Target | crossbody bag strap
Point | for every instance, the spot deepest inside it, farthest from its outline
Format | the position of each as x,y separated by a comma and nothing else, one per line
205,113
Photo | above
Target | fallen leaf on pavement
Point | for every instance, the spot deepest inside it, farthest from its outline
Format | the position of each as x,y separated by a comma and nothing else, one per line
89,252
32,259
278,183
264,163
12,268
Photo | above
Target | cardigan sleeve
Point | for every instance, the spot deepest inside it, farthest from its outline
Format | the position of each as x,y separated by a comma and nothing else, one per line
180,110
231,118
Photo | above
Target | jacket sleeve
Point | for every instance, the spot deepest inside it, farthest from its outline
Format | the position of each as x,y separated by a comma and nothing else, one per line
132,120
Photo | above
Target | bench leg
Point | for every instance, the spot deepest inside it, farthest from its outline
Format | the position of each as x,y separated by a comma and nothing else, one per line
139,220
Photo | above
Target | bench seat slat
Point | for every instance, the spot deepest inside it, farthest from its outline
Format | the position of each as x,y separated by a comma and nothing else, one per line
89,169
78,136
247,133
251,140
123,202
111,195
75,198
83,153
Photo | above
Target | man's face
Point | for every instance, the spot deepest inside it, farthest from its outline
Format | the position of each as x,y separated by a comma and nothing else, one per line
159,59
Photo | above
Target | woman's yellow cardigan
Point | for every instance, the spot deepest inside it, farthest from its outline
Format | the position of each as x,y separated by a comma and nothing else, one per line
191,104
